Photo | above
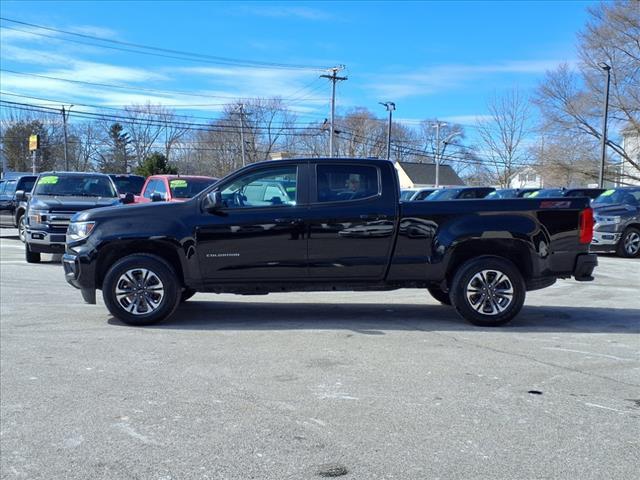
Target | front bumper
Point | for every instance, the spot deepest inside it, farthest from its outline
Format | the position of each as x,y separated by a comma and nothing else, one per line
44,241
605,239
79,273
585,264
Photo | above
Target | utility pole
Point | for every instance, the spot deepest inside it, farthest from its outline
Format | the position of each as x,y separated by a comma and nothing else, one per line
390,106
437,126
603,153
242,146
65,117
334,79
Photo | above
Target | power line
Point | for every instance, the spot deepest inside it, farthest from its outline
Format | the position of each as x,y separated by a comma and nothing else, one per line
181,53
224,128
138,89
131,108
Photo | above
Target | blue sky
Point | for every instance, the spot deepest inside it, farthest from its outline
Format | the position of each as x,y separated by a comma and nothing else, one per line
433,59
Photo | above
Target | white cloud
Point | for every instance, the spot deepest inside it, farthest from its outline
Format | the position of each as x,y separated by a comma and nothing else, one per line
446,77
261,82
26,52
95,31
467,119
104,73
304,13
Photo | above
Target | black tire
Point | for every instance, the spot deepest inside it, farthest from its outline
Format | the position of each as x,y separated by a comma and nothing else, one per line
441,296
480,274
29,256
22,229
629,244
160,285
186,294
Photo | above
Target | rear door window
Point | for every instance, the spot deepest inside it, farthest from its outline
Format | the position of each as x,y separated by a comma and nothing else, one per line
340,183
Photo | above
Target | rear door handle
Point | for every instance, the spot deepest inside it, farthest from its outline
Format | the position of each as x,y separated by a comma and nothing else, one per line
373,217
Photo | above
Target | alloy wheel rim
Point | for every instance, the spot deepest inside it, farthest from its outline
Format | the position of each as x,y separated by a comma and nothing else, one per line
139,291
632,243
490,292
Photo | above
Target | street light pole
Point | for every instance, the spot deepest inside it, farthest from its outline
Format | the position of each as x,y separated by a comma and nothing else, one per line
437,126
606,68
65,117
242,146
390,106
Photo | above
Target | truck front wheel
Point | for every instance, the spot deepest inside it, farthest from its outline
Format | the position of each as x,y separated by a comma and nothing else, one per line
22,229
141,289
488,291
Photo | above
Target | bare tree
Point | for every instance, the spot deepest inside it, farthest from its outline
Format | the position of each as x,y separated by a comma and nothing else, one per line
175,128
502,135
86,141
565,161
360,134
150,126
571,100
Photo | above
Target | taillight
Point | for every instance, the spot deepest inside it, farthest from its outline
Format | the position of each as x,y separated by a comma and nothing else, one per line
586,225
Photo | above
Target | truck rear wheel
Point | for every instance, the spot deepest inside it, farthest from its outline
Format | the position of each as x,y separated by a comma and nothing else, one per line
141,289
629,244
488,291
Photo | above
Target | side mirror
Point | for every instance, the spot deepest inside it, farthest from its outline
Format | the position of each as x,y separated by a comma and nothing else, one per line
157,197
213,201
21,196
128,198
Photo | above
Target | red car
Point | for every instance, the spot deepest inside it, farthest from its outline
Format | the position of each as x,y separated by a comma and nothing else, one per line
172,188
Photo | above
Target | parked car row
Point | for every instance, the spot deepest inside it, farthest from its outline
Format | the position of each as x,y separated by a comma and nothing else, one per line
41,206
461,193
617,211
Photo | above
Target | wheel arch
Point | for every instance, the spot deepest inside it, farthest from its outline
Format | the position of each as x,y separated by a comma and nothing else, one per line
19,213
117,250
516,251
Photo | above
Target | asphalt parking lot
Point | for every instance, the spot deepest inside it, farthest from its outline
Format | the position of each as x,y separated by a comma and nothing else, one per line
310,385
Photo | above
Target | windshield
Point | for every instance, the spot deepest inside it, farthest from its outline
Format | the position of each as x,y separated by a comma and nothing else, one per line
446,194
8,187
75,185
502,194
189,187
131,184
554,192
610,197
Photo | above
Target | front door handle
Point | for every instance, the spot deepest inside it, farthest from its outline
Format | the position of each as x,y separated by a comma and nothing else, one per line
373,217
289,221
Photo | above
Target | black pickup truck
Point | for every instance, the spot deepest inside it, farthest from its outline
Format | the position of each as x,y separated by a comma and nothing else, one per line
331,224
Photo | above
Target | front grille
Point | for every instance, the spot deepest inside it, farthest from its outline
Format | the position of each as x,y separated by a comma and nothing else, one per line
60,218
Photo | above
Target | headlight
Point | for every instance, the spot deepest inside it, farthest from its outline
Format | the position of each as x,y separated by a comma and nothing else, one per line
37,217
608,220
79,230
